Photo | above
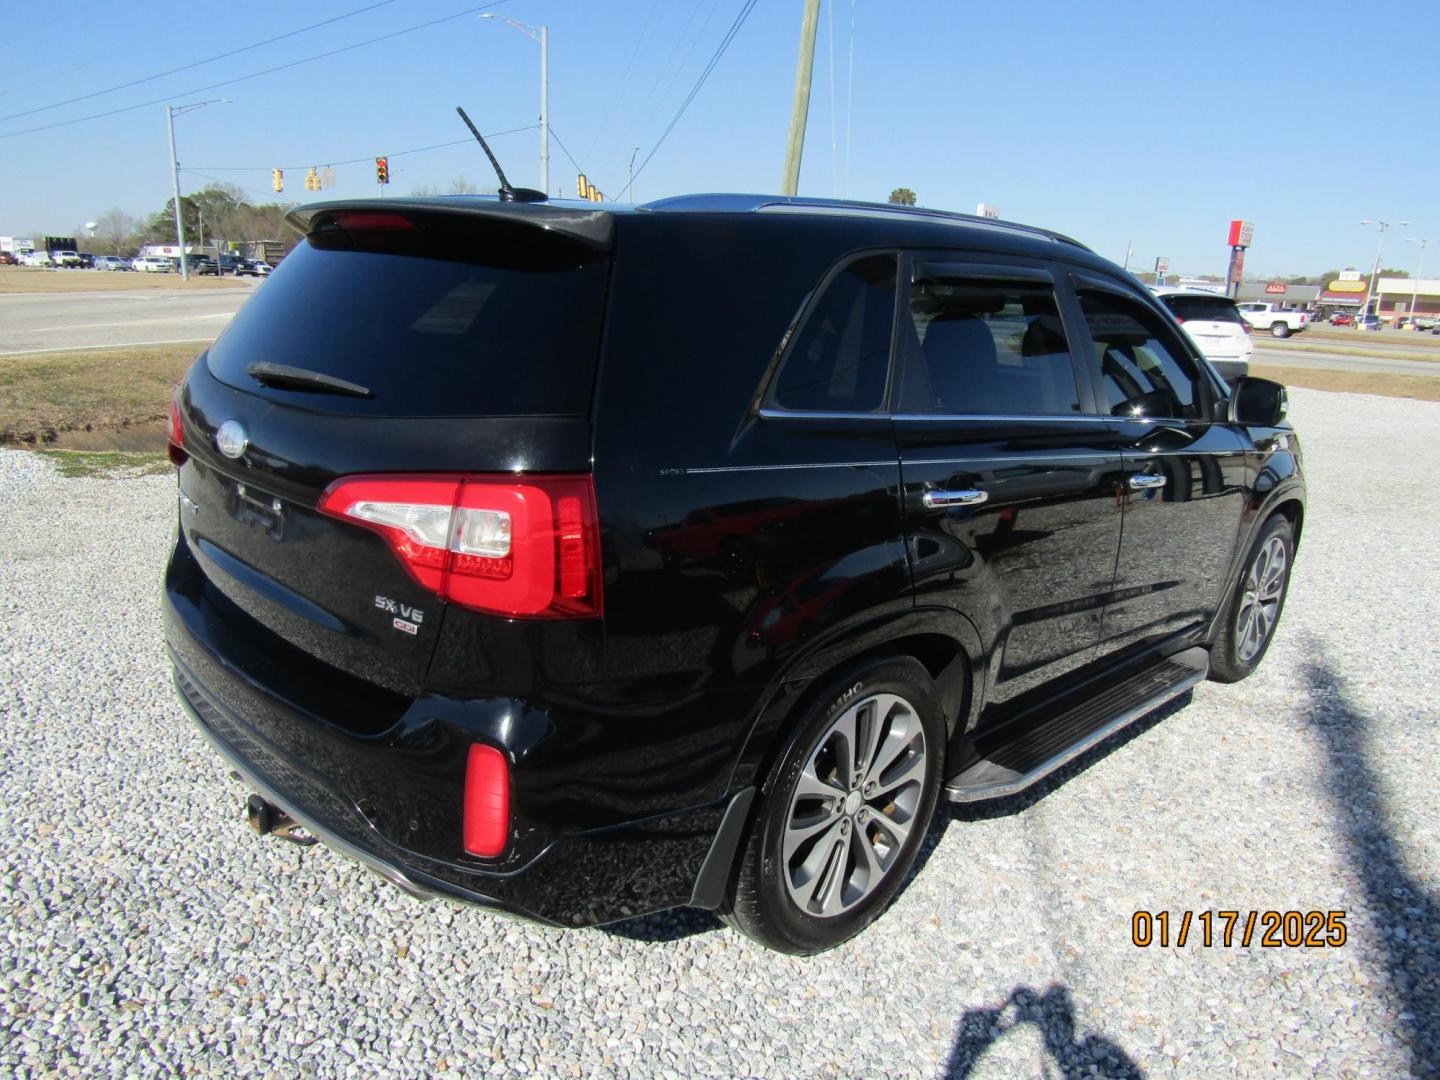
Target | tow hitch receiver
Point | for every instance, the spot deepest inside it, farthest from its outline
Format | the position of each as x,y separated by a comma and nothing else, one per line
267,819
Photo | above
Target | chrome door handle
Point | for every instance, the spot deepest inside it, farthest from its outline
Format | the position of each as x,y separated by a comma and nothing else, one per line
934,500
1144,481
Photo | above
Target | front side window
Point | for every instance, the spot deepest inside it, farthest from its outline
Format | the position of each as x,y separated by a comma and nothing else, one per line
988,348
1142,374
840,358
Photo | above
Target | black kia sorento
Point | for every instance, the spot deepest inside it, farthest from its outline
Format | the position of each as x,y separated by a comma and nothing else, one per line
583,561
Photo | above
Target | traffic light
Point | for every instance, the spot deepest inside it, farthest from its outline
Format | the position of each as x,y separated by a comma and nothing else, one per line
382,170
312,180
588,190
277,179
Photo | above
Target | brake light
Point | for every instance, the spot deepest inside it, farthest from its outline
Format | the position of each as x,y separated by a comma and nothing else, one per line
487,802
175,432
372,221
523,546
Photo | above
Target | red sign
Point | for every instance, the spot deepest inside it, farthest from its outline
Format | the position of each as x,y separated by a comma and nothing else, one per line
1240,233
1237,266
1276,287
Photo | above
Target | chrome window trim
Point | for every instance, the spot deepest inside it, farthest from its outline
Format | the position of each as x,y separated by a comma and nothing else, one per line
889,464
769,413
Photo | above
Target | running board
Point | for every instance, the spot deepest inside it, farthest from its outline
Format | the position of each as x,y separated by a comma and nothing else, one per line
1010,760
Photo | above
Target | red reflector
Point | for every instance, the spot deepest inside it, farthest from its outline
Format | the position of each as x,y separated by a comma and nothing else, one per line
522,546
175,432
372,221
487,801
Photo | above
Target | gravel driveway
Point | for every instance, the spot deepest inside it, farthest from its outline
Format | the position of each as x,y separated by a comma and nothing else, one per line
146,932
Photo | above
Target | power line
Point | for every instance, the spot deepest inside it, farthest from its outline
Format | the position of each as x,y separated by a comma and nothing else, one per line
567,153
256,74
197,63
700,82
358,160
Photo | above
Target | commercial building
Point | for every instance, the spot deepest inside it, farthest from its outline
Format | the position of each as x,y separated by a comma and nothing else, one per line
1397,297
1299,297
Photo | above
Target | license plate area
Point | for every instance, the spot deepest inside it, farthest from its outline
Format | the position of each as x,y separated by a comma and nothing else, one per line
259,510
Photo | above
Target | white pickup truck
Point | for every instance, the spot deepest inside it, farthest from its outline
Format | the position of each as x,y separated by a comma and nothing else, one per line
1281,322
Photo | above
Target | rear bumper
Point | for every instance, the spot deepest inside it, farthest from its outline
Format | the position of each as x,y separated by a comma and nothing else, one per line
1231,370
385,801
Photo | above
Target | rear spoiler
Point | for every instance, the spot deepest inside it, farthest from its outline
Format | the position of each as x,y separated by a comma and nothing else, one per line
593,228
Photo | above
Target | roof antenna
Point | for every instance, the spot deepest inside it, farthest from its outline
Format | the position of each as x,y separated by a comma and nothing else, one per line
507,193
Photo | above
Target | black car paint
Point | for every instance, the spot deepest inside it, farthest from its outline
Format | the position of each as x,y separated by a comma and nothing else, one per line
746,553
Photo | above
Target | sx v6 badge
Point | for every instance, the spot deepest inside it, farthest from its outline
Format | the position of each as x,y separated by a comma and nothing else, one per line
406,618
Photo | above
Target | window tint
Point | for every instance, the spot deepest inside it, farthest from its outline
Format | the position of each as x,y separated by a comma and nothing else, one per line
1203,308
429,336
1142,375
839,359
987,348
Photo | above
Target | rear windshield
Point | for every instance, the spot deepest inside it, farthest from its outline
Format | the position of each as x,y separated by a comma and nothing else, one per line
1204,308
426,336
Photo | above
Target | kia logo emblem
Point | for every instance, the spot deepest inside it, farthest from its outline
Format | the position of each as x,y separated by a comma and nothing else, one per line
231,439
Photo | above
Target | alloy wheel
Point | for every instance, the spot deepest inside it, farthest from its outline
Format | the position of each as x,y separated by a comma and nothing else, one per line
1260,602
854,805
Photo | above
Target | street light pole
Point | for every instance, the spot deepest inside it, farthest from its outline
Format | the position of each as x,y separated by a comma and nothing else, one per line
172,111
1375,269
1424,242
800,110
175,184
542,35
630,178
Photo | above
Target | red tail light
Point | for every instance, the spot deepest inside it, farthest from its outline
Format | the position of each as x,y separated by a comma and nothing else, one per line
510,545
487,802
175,432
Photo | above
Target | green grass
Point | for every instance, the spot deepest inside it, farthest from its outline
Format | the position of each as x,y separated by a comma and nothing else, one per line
106,464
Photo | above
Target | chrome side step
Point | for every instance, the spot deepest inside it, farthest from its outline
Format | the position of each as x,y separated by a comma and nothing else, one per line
1012,761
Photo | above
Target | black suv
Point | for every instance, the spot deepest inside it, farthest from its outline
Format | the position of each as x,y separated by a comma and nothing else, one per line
583,561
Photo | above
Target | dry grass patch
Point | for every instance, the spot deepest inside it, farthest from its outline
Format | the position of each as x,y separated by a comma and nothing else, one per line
49,393
1422,387
36,279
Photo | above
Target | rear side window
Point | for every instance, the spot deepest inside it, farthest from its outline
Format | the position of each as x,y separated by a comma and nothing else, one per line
1142,374
988,348
1202,308
513,334
839,359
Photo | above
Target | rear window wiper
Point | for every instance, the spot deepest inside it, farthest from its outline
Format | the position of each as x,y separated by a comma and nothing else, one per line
304,379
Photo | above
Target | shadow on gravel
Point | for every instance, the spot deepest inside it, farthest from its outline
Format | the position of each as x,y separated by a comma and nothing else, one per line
1405,915
665,925
1052,1015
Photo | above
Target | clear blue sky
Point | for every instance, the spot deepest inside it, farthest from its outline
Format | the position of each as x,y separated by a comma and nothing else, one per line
1152,124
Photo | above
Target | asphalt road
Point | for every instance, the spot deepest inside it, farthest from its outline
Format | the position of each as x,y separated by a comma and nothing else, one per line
41,322
1388,364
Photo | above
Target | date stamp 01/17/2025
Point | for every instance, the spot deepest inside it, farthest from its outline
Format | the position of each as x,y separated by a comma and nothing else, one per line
1268,929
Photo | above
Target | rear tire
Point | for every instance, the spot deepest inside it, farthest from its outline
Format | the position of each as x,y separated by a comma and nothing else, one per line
1252,611
1279,330
832,838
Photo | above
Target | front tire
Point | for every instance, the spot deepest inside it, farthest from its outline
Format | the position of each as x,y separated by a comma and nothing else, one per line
1279,330
844,811
1253,609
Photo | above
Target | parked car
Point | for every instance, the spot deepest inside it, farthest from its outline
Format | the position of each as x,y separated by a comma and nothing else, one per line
1277,321
434,593
111,262
1215,326
36,258
149,264
1342,318
1369,322
253,268
67,259
1422,322
9,258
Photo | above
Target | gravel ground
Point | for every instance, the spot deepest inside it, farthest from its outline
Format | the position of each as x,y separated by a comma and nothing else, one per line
146,932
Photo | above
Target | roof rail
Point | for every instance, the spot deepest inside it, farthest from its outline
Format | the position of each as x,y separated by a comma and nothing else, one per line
740,204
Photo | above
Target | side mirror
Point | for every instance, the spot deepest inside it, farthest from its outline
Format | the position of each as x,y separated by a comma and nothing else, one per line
1258,403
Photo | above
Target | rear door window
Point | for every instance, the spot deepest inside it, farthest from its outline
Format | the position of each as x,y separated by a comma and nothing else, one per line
990,348
839,359
503,332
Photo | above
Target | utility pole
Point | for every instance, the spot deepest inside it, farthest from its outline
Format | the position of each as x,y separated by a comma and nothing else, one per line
630,178
1424,242
804,67
175,184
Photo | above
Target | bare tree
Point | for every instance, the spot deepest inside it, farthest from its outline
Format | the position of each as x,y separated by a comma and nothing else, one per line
115,231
